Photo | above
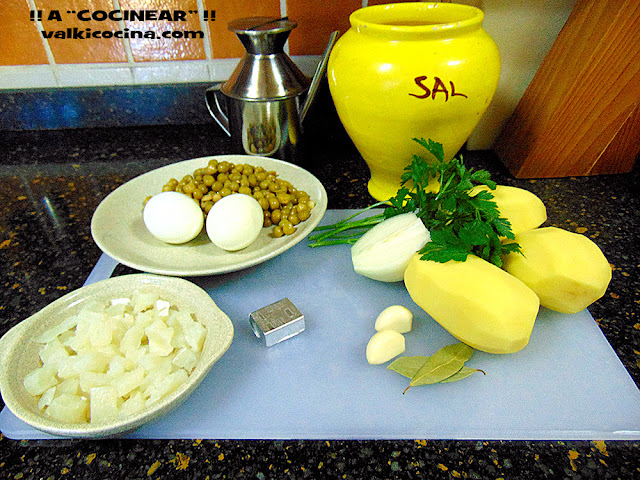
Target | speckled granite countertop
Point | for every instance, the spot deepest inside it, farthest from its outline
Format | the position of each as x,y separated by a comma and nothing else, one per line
50,184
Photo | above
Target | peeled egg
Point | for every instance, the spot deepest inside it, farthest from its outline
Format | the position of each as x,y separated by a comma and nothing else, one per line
173,217
235,221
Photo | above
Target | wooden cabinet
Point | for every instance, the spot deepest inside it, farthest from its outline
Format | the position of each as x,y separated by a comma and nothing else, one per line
581,113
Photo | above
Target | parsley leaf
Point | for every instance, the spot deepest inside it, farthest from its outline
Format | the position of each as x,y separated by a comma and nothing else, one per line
459,223
434,148
444,246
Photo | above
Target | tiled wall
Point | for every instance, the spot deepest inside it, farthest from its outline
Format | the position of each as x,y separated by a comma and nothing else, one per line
171,73
28,60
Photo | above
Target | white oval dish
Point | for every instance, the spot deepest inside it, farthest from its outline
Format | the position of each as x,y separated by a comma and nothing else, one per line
19,353
118,229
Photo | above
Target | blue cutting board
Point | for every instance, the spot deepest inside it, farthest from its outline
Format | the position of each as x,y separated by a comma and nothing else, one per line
566,384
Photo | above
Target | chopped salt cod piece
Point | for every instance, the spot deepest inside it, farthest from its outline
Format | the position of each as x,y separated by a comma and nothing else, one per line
151,363
40,380
103,404
45,399
132,339
52,333
134,356
156,372
134,404
89,380
143,301
69,408
162,308
167,385
71,386
53,353
129,381
101,333
144,319
159,336
185,358
118,365
120,301
115,359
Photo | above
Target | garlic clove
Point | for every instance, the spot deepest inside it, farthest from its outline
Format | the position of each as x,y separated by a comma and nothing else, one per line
384,346
395,317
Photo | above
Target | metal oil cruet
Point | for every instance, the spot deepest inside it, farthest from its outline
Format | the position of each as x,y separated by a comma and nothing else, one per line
267,96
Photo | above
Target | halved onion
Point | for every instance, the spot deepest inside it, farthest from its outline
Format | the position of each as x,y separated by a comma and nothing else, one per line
383,253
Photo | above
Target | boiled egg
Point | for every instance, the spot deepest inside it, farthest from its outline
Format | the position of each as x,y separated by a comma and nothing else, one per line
234,222
173,217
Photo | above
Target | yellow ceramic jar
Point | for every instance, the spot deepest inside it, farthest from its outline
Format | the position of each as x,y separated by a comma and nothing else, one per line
411,70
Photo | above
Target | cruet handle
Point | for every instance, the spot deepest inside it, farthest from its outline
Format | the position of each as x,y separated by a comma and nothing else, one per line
213,104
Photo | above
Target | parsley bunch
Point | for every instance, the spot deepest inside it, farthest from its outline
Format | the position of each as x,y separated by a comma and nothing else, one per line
459,224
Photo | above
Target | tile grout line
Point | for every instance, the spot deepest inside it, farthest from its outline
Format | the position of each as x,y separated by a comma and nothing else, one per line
45,44
162,71
207,40
283,13
62,73
126,41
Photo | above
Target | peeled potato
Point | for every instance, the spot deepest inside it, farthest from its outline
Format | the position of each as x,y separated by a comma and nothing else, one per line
477,302
523,209
566,270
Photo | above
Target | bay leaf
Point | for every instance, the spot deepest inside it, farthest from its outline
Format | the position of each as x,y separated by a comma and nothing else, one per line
442,364
464,372
407,366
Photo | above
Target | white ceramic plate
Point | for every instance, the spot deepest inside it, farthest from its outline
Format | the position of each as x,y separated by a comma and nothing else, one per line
19,353
118,229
